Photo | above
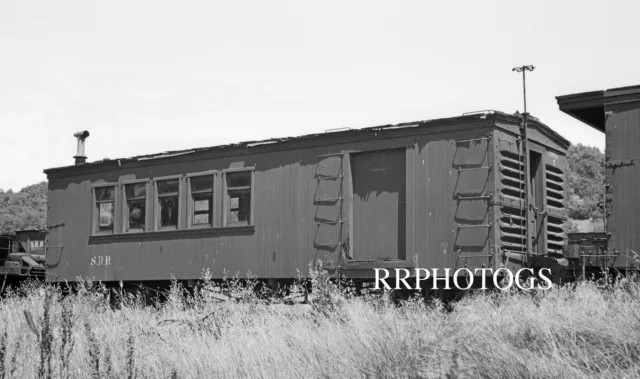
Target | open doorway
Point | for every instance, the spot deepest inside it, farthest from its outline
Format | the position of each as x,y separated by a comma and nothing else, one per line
379,204
536,189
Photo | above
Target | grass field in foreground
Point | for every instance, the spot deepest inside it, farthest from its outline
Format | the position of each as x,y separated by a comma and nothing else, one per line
563,333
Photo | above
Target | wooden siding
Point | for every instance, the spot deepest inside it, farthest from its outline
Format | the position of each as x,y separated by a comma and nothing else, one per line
623,143
443,164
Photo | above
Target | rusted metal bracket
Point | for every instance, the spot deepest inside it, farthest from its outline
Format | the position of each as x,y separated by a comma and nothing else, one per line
49,227
621,162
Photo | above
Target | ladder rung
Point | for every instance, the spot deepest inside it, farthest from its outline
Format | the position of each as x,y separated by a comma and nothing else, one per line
475,168
329,221
328,177
328,244
475,226
329,200
473,197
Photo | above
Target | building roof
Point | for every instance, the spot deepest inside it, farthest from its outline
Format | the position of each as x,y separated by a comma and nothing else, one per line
243,146
589,107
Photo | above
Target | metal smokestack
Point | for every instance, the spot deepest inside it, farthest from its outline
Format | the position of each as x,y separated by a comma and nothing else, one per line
80,157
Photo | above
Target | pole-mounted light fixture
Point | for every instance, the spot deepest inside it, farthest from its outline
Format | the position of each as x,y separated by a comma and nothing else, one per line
525,144
523,70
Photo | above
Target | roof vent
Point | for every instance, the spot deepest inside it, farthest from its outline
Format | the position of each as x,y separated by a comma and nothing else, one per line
488,111
80,157
337,130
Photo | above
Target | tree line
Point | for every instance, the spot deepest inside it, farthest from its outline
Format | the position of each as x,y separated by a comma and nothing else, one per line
25,209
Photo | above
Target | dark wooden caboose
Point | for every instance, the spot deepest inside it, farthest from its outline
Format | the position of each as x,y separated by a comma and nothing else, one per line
615,112
445,193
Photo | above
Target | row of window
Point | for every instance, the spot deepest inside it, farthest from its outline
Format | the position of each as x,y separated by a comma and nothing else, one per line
157,204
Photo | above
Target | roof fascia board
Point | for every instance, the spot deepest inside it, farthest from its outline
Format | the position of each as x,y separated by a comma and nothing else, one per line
572,105
328,139
542,128
581,100
622,95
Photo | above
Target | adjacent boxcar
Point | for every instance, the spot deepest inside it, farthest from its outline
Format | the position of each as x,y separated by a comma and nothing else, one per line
616,112
445,193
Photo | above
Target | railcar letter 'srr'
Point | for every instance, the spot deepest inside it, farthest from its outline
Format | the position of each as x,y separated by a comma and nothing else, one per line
101,260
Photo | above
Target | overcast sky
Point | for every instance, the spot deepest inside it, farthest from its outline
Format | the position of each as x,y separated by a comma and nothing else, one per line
149,76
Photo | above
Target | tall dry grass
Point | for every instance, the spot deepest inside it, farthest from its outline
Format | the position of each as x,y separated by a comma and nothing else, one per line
566,333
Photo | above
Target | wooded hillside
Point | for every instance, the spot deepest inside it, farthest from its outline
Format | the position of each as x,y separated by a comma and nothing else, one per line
586,186
26,209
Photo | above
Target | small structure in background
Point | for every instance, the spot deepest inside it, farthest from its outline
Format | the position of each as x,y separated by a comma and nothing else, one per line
22,256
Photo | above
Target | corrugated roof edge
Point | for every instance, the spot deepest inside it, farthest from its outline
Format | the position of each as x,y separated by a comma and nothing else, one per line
249,144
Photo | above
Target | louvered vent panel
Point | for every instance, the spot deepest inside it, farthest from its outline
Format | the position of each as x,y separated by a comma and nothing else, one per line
512,232
555,188
556,202
511,176
556,235
512,218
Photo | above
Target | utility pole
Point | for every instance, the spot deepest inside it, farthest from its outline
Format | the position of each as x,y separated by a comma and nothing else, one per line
525,144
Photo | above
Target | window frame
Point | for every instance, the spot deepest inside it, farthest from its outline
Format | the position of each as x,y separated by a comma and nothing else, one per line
125,210
225,196
189,215
157,209
95,214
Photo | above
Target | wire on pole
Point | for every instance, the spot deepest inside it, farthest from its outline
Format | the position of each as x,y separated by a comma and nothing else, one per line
525,145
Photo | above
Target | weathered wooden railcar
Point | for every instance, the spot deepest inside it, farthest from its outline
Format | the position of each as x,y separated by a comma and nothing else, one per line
445,193
615,112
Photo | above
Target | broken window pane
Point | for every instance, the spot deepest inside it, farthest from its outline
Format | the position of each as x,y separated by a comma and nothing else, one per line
136,214
201,205
233,217
168,186
238,179
105,216
239,207
105,193
201,183
202,218
136,190
169,211
136,198
105,208
202,198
